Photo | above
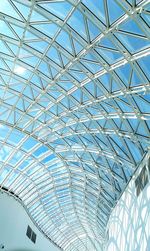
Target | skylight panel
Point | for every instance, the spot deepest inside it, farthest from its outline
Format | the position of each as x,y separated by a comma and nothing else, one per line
7,8
60,8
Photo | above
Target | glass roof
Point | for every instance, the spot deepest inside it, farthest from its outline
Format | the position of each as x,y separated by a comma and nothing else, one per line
74,110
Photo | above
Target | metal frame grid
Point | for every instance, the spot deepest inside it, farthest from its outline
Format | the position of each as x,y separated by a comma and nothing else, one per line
74,110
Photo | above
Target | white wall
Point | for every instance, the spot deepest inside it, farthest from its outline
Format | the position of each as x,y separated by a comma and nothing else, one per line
129,224
13,225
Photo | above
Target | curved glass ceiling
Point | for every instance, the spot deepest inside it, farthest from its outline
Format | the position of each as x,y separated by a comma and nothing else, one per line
74,110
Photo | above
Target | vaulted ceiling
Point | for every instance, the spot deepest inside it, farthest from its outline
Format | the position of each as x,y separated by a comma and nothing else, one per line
74,110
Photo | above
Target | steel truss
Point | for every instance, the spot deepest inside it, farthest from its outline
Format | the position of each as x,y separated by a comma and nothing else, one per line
74,113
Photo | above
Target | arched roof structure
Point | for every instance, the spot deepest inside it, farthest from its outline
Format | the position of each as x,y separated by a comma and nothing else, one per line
74,110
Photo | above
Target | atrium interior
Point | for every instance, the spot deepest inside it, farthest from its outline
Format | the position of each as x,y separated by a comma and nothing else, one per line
75,125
